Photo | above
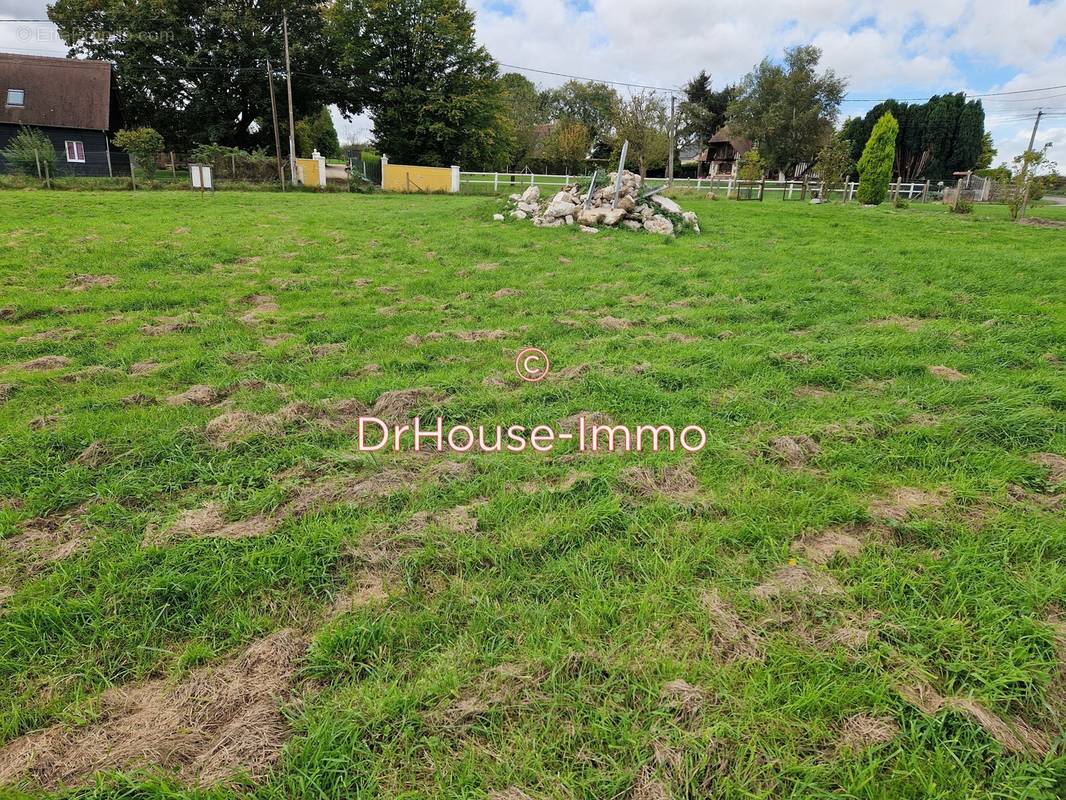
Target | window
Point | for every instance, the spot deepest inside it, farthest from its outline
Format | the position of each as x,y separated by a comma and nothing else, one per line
76,152
16,97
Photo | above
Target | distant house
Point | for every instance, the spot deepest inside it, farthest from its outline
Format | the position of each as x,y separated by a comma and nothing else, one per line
73,102
723,150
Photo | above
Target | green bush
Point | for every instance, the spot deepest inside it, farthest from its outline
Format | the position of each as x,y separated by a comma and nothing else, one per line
963,206
28,153
875,165
144,144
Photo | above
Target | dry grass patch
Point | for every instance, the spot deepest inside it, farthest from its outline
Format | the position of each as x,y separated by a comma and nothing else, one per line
795,580
904,501
45,363
947,373
672,482
216,722
863,731
79,283
730,636
793,451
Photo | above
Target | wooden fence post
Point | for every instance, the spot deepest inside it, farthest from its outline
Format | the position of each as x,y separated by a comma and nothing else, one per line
762,187
133,171
496,182
37,156
925,191
47,177
173,169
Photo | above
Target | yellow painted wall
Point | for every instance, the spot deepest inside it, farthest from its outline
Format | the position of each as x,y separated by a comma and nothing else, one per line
425,179
309,171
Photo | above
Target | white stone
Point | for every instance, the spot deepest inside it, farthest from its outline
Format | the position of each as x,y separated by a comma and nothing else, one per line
666,203
519,214
569,219
587,229
631,224
531,195
498,217
659,224
614,216
560,208
691,219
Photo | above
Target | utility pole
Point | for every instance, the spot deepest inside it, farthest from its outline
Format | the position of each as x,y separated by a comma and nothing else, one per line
288,87
673,142
1025,165
277,134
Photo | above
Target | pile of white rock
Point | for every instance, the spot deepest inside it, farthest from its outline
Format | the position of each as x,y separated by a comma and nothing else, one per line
634,210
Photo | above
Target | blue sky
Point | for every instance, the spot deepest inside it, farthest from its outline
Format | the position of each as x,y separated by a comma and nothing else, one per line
906,49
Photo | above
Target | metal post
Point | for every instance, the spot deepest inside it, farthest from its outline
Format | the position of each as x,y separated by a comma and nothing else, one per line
107,149
200,168
37,156
133,171
618,175
496,182
673,142
47,177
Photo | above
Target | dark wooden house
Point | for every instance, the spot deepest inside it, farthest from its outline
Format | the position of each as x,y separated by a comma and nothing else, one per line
73,102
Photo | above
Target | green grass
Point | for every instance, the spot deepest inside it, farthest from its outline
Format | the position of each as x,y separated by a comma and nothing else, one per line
590,596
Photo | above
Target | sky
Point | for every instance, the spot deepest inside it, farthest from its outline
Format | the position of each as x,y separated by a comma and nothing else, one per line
906,49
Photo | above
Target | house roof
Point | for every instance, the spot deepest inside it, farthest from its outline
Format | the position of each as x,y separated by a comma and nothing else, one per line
60,92
739,143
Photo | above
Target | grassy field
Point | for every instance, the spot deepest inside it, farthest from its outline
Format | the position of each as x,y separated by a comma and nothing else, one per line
857,589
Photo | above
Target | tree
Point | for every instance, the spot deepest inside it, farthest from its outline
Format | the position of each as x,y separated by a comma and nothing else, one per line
317,132
29,152
588,102
988,152
434,92
788,109
1028,178
936,138
643,122
144,144
750,166
703,111
195,70
568,146
875,165
522,110
834,163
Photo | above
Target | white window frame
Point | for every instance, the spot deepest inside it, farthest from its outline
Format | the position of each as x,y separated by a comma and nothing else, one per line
16,105
77,145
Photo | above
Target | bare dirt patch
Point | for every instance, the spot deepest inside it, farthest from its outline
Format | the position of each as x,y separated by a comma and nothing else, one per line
217,721
1055,465
1015,735
399,405
793,451
675,482
862,731
79,283
947,373
480,336
45,363
329,349
198,395
53,335
811,393
903,501
501,689
370,589
144,368
847,541
792,580
1039,222
45,540
460,519
730,635
95,455
165,325
614,323
234,426
685,700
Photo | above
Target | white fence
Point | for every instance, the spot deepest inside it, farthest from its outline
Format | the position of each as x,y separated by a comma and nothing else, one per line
509,182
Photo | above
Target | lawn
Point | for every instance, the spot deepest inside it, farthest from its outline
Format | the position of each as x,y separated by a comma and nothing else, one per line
856,589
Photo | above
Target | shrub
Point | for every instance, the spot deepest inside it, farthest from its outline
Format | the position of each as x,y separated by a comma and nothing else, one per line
963,206
834,163
144,144
875,165
751,166
27,150
901,203
236,164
